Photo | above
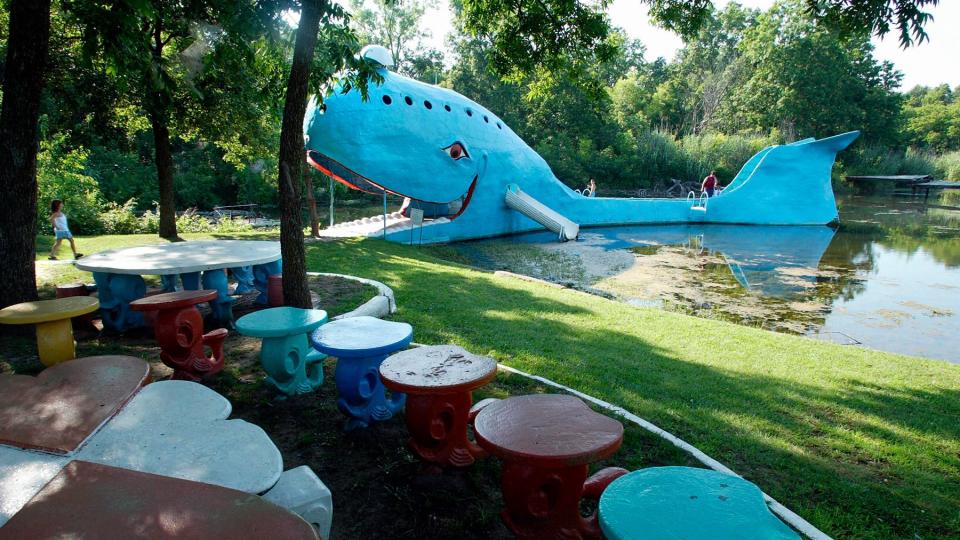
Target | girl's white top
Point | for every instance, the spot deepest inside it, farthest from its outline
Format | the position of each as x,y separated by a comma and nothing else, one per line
60,223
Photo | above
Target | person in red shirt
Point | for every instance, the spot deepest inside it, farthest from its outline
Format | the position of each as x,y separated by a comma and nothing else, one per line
710,184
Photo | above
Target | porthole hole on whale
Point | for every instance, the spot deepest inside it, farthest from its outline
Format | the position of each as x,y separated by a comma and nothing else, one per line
447,108
427,104
469,112
387,100
485,119
408,100
499,126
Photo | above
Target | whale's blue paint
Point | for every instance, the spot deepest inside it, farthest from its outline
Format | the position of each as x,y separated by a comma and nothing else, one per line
400,147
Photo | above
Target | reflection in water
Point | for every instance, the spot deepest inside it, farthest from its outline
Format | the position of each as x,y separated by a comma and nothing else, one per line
889,278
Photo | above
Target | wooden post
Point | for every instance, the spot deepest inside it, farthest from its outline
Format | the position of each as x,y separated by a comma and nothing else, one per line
331,201
311,202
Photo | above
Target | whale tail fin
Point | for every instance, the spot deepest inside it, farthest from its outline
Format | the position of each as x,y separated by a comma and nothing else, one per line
785,184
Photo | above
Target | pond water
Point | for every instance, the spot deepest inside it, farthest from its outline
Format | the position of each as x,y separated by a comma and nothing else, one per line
888,278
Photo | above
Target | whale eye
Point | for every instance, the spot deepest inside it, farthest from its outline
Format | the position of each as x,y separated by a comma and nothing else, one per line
456,151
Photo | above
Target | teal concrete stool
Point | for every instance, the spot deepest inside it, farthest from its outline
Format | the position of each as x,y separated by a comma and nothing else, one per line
684,503
292,366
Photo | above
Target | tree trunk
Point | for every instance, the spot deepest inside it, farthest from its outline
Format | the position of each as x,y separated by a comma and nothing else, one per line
311,204
164,160
295,290
158,109
26,64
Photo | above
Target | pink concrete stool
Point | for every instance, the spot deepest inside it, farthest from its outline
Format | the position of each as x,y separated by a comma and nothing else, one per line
275,290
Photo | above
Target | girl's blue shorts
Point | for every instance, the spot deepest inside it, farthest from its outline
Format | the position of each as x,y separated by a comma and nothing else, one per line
63,234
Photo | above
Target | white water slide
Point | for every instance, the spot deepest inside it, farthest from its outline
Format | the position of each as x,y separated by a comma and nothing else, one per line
541,213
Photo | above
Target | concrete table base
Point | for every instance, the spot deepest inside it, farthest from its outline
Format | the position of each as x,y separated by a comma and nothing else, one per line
244,277
221,307
261,279
115,292
300,491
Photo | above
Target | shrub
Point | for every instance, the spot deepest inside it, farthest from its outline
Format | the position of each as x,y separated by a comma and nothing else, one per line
191,222
948,166
231,225
725,154
121,219
61,175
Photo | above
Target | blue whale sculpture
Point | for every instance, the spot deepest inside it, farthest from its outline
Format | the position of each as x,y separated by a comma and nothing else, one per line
458,161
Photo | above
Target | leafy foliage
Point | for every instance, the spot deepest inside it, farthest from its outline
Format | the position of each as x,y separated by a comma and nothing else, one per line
61,174
860,17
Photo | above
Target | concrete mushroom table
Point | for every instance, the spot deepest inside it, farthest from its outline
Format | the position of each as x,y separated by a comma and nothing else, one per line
547,442
94,410
661,503
179,331
438,381
292,366
90,500
360,345
118,274
55,342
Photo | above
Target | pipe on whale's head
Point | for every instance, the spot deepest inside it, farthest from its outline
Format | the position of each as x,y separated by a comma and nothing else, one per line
407,138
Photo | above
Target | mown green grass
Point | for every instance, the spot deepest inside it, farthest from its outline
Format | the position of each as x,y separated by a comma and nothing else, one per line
863,444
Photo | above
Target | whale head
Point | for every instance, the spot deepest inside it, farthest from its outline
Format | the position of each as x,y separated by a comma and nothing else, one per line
407,138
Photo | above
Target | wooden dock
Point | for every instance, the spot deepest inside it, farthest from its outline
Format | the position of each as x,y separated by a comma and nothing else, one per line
918,183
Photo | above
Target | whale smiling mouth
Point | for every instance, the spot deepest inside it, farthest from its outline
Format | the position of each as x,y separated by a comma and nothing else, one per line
353,180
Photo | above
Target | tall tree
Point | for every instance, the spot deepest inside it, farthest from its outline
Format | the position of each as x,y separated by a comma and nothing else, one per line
852,17
396,26
295,290
146,44
338,46
24,69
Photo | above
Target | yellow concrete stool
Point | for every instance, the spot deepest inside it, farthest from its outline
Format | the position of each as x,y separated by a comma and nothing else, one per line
54,332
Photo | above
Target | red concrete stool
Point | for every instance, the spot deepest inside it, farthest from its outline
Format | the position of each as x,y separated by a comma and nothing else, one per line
275,290
438,381
76,289
72,289
546,442
89,500
179,331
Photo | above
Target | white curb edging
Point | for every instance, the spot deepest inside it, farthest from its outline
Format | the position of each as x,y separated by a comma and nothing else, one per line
785,513
379,306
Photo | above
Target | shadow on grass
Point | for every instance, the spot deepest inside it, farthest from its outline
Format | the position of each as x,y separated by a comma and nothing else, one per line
856,457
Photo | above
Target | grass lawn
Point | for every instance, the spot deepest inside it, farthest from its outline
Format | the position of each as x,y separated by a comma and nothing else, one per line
863,444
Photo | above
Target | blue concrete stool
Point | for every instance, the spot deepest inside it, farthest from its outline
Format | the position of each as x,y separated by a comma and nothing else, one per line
292,366
360,345
688,503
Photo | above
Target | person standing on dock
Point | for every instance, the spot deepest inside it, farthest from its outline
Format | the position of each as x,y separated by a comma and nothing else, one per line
709,184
